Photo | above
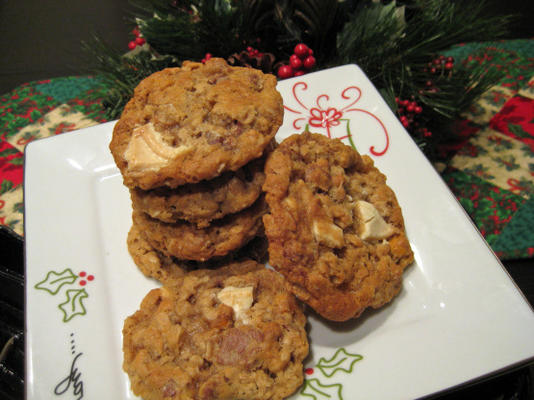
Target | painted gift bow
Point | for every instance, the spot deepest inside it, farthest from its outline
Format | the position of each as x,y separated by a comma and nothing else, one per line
324,115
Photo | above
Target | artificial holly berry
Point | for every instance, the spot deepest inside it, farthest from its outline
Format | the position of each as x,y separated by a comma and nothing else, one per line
285,71
301,50
300,62
252,52
206,58
309,62
138,40
295,62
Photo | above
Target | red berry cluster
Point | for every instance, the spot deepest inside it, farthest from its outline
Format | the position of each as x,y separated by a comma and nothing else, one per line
207,56
408,110
85,278
252,52
138,41
300,62
439,66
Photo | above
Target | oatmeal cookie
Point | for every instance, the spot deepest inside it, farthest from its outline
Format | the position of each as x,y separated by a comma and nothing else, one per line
202,202
335,229
151,262
186,241
165,269
188,124
230,333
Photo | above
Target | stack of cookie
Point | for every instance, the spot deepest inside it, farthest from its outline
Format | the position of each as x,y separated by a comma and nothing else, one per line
191,147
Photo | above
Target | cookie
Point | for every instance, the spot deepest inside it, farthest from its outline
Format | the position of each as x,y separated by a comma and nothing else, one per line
152,263
202,202
335,228
184,125
229,333
186,241
165,269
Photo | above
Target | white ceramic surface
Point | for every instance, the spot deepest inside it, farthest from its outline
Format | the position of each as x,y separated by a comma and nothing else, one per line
459,316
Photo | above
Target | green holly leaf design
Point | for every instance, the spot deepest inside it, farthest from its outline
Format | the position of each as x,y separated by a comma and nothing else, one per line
518,130
6,186
316,390
16,161
18,207
508,162
74,304
8,152
341,361
54,281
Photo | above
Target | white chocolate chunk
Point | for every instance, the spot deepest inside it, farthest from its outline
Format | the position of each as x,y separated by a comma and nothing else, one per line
239,298
328,233
290,203
147,150
372,224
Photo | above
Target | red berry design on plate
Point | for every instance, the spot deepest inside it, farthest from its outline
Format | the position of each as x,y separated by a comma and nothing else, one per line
89,278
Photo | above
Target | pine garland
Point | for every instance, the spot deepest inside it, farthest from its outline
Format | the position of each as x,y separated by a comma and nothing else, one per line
395,43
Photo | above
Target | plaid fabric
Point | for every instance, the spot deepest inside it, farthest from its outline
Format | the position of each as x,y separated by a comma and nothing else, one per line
491,173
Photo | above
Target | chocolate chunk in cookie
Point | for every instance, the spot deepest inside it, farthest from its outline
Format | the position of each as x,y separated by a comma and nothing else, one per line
335,229
230,333
188,124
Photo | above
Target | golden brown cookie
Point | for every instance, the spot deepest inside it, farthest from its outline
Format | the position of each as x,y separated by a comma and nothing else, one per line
335,229
229,333
165,269
151,262
202,202
188,242
188,124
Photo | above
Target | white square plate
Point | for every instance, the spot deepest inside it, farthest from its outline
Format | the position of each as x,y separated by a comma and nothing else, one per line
459,316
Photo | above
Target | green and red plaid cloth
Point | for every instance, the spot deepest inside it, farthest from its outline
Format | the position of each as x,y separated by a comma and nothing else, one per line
491,172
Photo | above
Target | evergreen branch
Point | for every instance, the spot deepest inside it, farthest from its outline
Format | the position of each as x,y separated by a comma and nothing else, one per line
393,44
436,25
175,35
122,73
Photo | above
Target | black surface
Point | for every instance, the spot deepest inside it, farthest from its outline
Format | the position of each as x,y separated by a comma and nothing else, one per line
11,315
41,39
